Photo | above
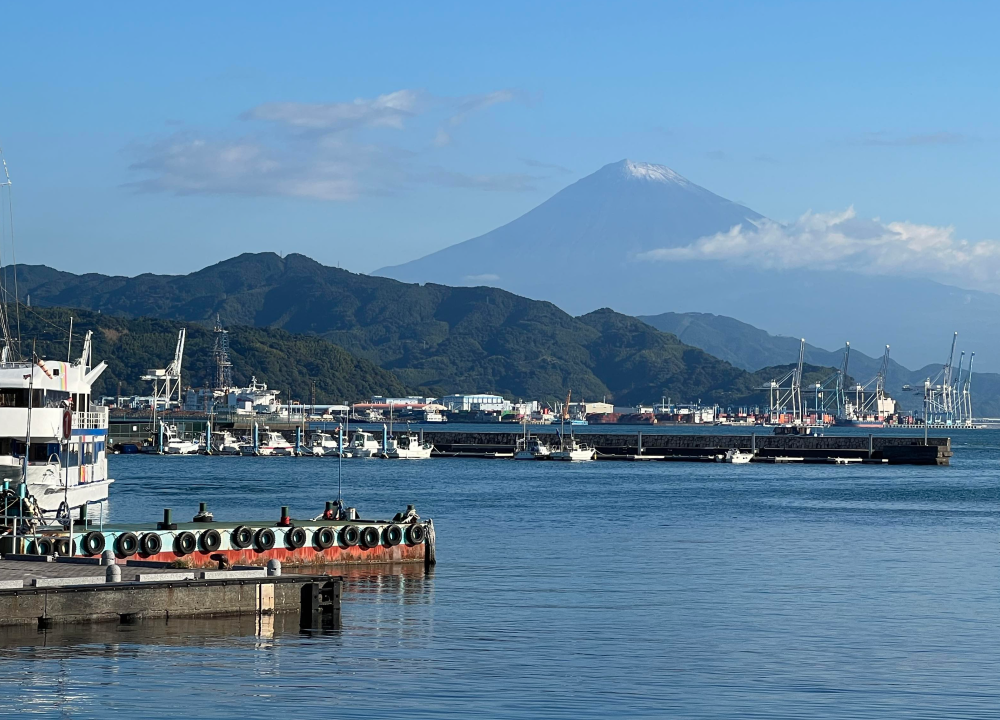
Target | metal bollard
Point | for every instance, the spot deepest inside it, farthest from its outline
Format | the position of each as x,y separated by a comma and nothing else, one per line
273,568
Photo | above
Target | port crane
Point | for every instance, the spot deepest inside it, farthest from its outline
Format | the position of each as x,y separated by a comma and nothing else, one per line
784,397
167,381
948,397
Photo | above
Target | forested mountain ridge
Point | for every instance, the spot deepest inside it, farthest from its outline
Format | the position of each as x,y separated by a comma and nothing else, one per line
434,338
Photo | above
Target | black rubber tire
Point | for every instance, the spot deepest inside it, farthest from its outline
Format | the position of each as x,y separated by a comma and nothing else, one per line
296,537
325,537
42,546
350,536
211,540
126,544
371,537
185,543
151,544
93,543
61,547
416,534
241,537
393,535
263,539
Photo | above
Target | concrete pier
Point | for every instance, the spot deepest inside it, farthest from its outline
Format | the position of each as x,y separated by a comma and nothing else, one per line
49,593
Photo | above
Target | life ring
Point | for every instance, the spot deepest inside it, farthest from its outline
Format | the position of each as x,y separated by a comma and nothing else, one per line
126,544
151,543
185,543
241,537
325,538
370,537
211,540
264,539
67,425
350,536
296,538
393,535
416,534
42,546
93,543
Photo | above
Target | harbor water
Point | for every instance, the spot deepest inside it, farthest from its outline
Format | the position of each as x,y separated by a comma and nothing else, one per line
577,590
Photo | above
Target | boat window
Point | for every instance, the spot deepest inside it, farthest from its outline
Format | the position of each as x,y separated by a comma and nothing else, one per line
11,397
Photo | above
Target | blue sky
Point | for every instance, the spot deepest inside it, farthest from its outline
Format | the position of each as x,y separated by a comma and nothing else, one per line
162,138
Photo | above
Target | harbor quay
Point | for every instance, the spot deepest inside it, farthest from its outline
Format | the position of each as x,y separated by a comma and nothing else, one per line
90,571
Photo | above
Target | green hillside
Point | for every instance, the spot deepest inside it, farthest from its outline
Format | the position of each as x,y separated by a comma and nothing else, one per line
130,346
434,338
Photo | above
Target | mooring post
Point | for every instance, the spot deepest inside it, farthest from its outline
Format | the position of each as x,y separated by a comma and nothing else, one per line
320,608
208,437
639,445
430,554
753,443
869,446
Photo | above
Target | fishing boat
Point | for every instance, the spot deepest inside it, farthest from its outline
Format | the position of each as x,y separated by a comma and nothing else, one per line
174,444
363,445
734,456
407,447
53,441
571,449
530,447
574,450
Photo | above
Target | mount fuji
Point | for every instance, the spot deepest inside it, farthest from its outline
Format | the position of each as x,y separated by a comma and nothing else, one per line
588,247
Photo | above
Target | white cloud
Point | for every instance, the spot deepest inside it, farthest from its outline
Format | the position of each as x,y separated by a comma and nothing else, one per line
383,111
325,151
484,278
842,241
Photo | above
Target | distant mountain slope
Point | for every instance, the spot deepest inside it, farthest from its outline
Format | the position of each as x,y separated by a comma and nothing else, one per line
624,208
130,346
440,339
583,249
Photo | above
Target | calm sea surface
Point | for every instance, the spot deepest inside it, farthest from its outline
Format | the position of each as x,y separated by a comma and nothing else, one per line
570,591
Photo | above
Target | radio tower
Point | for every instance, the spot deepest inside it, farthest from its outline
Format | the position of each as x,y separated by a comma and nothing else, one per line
220,356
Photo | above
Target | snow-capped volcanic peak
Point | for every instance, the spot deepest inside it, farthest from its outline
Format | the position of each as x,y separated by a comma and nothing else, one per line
650,172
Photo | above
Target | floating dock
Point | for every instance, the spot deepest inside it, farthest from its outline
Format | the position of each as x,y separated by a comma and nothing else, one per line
204,543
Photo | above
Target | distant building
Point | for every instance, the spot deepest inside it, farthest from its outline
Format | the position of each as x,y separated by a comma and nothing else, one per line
582,409
473,403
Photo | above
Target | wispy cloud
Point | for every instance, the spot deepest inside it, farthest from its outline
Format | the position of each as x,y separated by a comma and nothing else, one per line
842,241
885,139
389,110
546,166
325,151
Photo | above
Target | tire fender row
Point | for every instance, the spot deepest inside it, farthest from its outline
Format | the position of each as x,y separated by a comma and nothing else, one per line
242,537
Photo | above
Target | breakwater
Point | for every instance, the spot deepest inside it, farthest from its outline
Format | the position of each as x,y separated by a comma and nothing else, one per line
900,450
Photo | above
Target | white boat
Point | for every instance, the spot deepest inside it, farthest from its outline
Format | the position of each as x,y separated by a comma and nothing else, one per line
225,443
274,443
52,440
737,457
269,442
321,443
408,447
174,444
363,445
574,450
531,448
